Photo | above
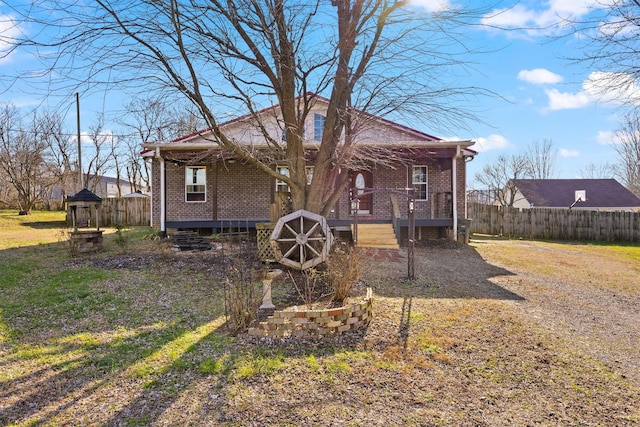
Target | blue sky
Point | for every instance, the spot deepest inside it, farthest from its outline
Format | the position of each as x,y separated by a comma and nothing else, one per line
546,95
543,94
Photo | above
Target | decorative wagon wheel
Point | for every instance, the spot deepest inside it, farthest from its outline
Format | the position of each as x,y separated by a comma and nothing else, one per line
301,240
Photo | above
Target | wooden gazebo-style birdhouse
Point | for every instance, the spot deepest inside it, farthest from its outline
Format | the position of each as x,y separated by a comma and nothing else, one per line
85,215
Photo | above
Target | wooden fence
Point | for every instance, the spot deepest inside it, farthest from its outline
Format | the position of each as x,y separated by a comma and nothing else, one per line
114,211
555,224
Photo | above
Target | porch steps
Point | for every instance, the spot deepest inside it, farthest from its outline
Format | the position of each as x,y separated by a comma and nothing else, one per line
379,236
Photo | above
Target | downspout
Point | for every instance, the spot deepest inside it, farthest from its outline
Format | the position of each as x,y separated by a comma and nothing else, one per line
163,196
454,190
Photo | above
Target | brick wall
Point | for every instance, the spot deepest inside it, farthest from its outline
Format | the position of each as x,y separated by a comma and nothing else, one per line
237,191
314,323
439,181
462,187
177,208
234,191
244,192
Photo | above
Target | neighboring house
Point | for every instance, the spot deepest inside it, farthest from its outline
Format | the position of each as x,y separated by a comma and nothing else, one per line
598,194
107,187
216,189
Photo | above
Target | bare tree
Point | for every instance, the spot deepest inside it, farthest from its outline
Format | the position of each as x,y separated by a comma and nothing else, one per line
24,157
628,149
62,150
598,170
541,159
498,177
100,155
611,43
7,192
379,56
150,120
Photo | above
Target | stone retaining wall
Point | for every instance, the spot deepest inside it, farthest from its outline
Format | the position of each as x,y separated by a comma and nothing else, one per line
317,323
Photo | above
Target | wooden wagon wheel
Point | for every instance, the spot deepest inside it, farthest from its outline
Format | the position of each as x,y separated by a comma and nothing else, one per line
301,240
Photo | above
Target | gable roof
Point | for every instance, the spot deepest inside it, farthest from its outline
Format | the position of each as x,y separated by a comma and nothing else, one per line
405,136
560,193
317,99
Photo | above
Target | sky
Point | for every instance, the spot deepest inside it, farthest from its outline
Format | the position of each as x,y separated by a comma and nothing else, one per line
541,94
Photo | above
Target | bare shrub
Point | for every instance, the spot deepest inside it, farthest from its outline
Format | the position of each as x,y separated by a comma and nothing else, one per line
344,269
122,239
242,294
312,280
65,236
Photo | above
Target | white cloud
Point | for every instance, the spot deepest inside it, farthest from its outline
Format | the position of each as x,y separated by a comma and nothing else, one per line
565,152
567,101
492,142
9,30
609,88
432,5
613,88
539,76
539,21
606,137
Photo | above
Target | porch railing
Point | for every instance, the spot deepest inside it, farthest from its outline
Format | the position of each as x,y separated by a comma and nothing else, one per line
440,205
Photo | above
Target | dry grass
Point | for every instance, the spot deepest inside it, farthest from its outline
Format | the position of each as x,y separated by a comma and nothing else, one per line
139,339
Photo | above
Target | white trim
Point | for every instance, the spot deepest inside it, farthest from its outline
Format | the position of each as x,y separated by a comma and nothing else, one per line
405,144
454,190
186,185
163,195
425,183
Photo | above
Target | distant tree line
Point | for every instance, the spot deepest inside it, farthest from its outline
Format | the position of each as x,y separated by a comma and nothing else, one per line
39,153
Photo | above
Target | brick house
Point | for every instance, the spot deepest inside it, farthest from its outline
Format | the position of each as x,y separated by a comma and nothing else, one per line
195,185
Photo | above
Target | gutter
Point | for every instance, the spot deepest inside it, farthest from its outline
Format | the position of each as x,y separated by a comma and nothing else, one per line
204,144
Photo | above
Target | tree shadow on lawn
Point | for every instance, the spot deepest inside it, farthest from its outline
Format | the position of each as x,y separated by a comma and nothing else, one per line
45,225
120,371
69,382
205,387
456,271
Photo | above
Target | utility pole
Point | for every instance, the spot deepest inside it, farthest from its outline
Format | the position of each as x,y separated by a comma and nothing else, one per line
79,150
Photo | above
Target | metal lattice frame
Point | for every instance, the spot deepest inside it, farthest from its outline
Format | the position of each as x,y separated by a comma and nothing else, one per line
301,240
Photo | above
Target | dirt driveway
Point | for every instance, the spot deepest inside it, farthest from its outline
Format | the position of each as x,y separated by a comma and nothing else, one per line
587,294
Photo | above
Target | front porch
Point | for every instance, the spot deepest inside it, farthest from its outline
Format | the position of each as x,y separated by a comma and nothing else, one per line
433,218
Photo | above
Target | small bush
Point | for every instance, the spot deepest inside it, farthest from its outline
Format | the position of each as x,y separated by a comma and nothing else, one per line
344,269
121,239
243,296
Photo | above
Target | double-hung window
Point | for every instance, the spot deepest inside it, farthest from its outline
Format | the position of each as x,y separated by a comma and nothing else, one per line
195,183
282,187
419,181
318,127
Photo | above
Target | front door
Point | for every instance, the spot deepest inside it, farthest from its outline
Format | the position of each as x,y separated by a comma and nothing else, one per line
361,180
